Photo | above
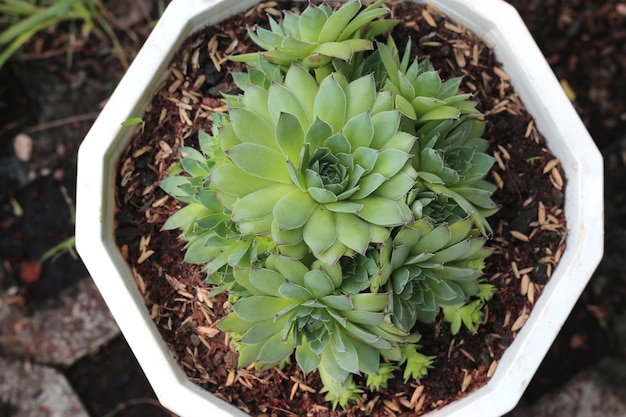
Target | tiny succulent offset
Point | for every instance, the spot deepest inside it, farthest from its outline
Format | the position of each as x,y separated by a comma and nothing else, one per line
340,201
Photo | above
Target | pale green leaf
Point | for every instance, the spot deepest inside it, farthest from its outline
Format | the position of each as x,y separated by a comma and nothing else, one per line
397,187
320,231
440,113
390,161
311,22
360,97
370,302
368,185
338,50
353,232
337,21
259,204
255,99
345,353
232,180
293,210
330,104
252,128
260,308
384,212
303,86
318,283
262,331
307,359
282,100
359,131
290,137
275,349
338,302
260,161
386,125
434,241
293,291
266,281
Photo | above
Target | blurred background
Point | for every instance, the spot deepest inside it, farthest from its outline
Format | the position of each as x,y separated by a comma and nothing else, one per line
60,351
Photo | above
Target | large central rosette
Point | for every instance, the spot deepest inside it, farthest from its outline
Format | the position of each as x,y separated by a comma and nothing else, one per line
323,167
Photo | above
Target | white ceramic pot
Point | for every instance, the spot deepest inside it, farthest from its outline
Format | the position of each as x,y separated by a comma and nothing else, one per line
496,22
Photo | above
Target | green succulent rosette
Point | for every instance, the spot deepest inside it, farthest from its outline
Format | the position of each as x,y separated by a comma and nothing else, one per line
212,239
319,35
452,162
321,168
425,269
419,93
431,267
287,307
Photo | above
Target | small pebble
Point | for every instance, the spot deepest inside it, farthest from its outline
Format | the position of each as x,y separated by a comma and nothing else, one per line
23,147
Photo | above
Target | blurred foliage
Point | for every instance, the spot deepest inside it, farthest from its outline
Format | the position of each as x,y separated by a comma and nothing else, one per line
20,20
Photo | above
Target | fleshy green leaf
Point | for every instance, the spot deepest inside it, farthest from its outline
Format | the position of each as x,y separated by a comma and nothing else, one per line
345,353
385,127
259,308
282,100
230,179
259,204
360,96
275,349
266,281
293,210
183,217
443,112
303,86
330,104
370,302
338,21
359,131
311,22
318,283
290,137
353,232
390,161
320,231
262,331
252,128
338,302
384,212
307,359
260,161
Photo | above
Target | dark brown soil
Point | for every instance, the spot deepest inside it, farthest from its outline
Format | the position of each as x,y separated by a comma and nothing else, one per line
530,228
584,41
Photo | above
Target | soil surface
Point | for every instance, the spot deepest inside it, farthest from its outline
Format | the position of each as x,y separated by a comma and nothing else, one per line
40,95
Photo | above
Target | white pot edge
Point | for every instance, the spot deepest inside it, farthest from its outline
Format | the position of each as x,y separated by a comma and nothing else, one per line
580,159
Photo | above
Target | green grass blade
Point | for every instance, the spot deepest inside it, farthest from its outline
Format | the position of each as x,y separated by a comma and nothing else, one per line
51,14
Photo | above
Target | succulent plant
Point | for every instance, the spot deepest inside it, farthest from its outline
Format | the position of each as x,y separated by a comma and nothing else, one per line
335,168
419,93
426,268
340,200
288,306
469,314
319,35
451,162
212,238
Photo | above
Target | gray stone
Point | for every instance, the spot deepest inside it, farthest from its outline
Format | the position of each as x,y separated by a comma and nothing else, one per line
599,391
59,334
37,391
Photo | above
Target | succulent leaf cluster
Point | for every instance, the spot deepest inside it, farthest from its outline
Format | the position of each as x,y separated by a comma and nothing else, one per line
319,35
340,201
